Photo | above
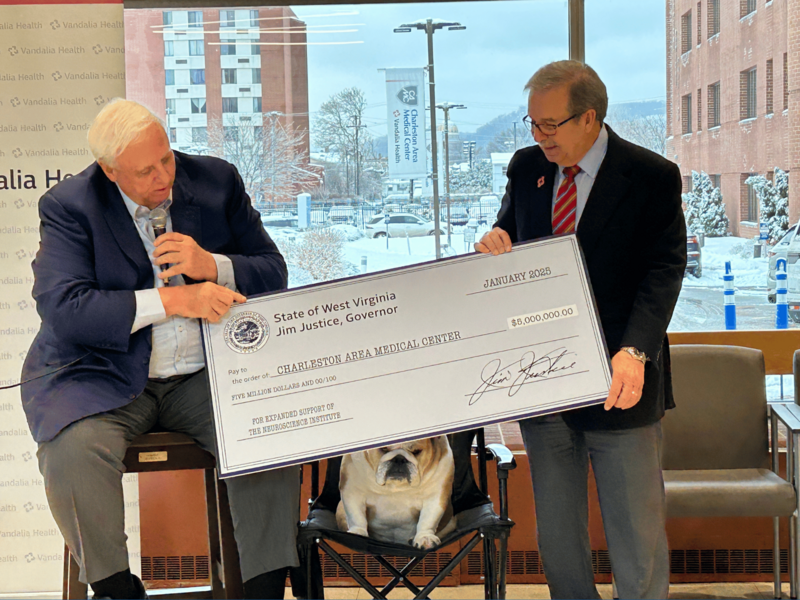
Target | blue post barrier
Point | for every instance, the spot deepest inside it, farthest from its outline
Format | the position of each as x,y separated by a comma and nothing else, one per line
781,302
730,302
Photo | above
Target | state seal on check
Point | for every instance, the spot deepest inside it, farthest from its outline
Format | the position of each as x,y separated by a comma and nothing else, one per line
246,332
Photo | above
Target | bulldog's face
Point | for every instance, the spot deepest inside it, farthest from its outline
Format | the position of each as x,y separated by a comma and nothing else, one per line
401,465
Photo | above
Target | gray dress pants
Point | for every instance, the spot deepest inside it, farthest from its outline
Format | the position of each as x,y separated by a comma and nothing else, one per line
630,487
82,469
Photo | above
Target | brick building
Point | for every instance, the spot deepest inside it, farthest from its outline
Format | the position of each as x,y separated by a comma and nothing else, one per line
209,70
733,68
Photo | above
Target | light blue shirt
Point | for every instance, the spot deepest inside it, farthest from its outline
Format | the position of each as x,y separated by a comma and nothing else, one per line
177,342
590,165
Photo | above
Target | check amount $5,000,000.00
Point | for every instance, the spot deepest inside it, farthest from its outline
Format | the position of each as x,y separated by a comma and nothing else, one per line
543,316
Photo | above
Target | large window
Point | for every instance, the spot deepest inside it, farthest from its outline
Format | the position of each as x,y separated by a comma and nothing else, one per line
228,75
257,104
749,199
169,77
770,88
699,115
227,18
747,94
686,114
699,27
195,18
785,81
196,48
198,106
746,7
227,49
255,49
199,135
230,105
256,75
686,32
169,48
713,17
713,105
254,18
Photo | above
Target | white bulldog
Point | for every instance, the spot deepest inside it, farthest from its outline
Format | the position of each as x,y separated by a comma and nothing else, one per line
399,493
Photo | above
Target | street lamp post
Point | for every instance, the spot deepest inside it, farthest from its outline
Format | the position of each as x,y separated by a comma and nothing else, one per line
446,106
429,26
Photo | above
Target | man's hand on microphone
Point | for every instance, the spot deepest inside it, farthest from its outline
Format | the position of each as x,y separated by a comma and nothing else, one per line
199,301
185,257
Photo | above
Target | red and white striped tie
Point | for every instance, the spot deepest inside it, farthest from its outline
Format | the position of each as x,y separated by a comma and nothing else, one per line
566,202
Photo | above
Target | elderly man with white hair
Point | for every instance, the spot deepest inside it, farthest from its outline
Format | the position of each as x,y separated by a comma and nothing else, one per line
119,349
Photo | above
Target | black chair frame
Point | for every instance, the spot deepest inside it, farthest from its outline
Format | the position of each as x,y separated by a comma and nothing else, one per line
481,522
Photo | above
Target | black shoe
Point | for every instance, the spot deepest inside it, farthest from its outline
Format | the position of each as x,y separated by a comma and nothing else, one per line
119,586
270,585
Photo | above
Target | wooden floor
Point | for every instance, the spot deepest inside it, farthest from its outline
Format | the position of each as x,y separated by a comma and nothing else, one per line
682,591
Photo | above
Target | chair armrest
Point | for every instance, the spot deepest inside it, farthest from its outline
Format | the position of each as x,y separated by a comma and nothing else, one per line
788,414
502,456
796,372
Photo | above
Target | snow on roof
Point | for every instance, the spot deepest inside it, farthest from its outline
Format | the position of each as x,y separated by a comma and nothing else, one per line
501,158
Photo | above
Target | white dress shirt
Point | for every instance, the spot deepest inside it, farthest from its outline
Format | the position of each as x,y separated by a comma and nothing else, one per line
584,180
177,342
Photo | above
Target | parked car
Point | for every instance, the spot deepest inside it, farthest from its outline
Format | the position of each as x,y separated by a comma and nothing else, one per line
781,250
339,215
400,225
694,262
279,219
458,214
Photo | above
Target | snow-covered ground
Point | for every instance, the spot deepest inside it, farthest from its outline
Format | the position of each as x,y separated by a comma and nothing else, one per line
748,272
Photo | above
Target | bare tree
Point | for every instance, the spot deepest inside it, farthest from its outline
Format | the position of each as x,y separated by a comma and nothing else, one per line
272,159
340,131
648,131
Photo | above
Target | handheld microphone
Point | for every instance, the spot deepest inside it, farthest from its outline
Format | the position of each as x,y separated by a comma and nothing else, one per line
158,221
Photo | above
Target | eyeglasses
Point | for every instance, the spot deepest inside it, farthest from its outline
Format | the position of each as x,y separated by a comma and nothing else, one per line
546,128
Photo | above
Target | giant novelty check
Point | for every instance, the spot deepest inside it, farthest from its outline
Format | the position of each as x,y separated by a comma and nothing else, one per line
410,353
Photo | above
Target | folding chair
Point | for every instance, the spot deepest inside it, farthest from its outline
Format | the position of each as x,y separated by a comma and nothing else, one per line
473,510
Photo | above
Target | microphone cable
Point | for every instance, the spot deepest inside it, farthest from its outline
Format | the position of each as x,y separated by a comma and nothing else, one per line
61,368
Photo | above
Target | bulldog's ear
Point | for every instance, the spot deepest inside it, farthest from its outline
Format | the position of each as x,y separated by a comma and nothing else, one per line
442,446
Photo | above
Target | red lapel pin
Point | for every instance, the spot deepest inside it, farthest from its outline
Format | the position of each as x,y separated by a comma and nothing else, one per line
540,182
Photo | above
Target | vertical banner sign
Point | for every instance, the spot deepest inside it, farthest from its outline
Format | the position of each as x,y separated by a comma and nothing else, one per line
405,103
59,65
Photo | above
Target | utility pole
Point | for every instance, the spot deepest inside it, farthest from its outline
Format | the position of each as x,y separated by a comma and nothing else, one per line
429,26
357,125
446,106
515,135
273,117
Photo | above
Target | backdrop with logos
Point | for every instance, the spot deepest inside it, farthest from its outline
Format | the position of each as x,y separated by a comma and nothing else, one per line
59,64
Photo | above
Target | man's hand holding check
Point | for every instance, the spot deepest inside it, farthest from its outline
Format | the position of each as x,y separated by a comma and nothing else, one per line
627,372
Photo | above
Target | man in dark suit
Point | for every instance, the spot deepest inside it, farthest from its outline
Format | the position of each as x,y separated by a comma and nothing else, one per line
120,352
624,204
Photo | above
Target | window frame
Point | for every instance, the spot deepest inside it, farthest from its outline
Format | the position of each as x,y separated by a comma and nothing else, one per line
194,45
227,101
196,109
193,14
226,72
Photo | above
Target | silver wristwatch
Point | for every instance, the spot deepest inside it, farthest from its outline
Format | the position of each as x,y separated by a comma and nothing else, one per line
636,353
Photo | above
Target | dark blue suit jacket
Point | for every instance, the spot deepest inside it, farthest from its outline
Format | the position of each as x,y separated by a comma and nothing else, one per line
633,236
91,260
